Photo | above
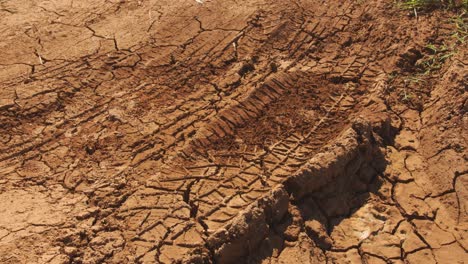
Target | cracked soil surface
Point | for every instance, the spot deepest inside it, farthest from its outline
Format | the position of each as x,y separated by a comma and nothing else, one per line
226,131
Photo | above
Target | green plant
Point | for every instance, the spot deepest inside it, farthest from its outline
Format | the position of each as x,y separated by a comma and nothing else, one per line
438,54
405,96
431,4
412,79
461,27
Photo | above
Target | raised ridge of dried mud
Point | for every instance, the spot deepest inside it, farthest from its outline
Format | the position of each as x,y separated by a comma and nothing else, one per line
230,132
349,154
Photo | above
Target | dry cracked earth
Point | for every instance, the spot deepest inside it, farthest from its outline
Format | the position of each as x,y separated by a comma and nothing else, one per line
226,131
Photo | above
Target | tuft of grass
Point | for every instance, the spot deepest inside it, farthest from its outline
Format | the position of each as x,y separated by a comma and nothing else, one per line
438,54
432,4
461,27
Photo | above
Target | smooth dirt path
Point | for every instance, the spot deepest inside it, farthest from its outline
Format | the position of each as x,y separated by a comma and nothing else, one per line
230,132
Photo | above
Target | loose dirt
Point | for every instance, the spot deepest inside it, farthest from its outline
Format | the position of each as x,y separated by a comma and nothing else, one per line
232,132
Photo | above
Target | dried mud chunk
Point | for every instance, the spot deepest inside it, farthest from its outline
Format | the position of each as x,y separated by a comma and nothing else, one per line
324,167
349,257
410,197
385,245
240,237
452,253
33,169
349,232
369,259
20,208
70,251
89,212
7,98
412,120
434,236
421,256
72,179
245,232
408,59
407,140
196,256
105,244
56,259
292,232
270,247
154,234
191,237
411,242
447,209
415,162
276,204
149,257
443,170
172,254
303,251
318,233
294,226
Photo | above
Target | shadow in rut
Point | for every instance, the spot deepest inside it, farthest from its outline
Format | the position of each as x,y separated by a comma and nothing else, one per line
320,212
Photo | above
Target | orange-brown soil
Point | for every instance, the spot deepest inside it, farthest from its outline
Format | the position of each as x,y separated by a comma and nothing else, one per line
224,131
